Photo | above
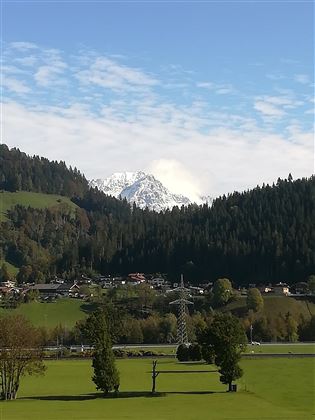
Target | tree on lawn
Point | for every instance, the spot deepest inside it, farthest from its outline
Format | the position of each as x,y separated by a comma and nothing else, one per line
254,300
226,337
292,328
106,376
222,292
21,354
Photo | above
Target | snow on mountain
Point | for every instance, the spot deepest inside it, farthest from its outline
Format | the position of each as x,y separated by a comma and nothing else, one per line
206,199
142,189
117,182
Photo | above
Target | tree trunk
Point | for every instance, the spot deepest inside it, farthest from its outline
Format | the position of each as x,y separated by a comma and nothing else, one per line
154,375
153,384
230,386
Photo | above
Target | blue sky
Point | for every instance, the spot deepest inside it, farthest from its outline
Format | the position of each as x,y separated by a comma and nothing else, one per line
209,96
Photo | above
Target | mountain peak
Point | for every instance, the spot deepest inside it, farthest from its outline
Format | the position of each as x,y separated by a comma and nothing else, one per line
140,188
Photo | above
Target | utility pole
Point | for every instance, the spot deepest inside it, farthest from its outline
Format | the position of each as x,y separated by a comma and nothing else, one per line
251,333
182,302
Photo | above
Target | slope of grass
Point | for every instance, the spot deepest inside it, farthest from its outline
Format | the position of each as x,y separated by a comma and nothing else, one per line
278,304
64,311
11,268
275,305
270,389
30,199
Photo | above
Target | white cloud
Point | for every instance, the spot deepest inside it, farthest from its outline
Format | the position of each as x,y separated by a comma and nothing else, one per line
275,76
15,85
218,88
276,106
194,146
222,159
302,78
206,85
278,100
29,61
110,74
23,46
7,69
47,75
268,109
175,176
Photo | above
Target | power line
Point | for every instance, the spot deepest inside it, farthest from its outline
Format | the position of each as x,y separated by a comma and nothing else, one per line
182,302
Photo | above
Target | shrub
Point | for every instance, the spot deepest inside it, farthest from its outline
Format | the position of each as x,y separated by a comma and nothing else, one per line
195,352
182,353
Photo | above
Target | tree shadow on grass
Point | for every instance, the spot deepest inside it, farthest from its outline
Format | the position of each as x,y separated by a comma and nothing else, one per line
194,392
96,395
193,363
120,395
88,307
64,397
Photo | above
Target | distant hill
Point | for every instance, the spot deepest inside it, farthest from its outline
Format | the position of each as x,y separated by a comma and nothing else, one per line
31,199
20,172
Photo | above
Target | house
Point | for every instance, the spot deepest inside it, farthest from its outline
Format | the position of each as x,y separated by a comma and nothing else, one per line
46,289
68,289
136,278
194,290
85,280
281,289
265,289
64,289
8,283
57,280
119,281
301,288
157,282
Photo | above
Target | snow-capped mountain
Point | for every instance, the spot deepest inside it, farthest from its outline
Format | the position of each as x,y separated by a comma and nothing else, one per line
140,188
116,183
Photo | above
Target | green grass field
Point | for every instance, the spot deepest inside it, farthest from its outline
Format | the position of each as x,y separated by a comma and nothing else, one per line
284,348
64,311
281,305
275,305
270,389
11,268
30,199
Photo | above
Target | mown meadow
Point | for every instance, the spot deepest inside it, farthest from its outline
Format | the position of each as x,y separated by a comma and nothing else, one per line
270,389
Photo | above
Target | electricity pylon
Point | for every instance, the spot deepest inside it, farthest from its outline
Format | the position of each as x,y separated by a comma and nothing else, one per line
182,302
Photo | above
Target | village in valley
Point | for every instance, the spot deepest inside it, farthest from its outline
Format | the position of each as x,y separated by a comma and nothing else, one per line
83,287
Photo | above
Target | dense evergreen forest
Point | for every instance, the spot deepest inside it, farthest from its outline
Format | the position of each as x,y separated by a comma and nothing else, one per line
258,236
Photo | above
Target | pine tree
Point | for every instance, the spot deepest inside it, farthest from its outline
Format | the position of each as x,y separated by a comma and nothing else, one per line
106,376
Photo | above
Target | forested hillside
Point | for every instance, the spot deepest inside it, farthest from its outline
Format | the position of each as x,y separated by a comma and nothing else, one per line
263,235
20,172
